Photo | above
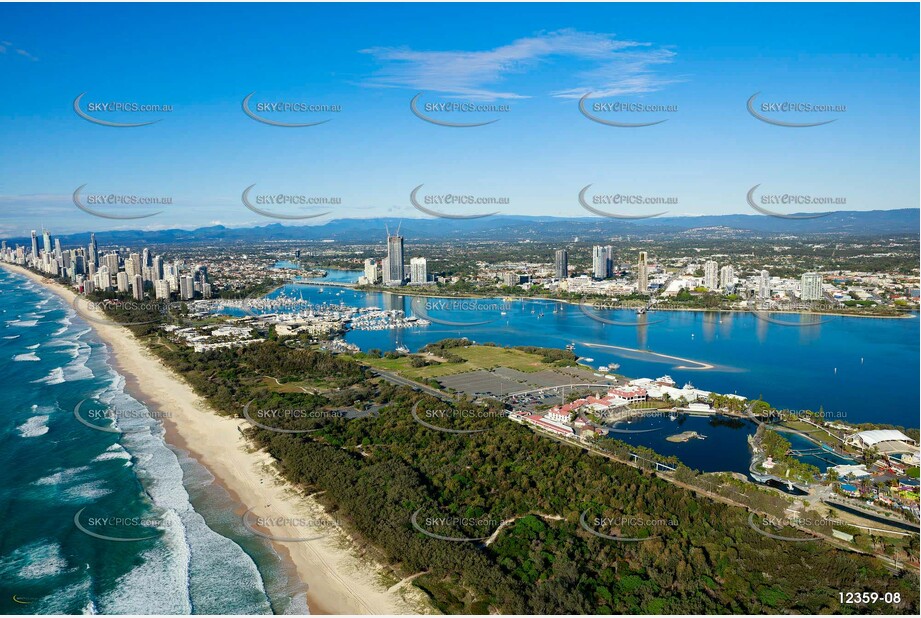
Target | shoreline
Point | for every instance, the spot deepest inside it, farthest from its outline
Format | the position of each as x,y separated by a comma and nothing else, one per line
338,581
413,292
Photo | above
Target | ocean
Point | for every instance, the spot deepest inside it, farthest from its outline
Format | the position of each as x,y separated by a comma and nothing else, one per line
109,519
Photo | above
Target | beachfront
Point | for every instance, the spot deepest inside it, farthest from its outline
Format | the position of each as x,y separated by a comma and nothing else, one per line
339,580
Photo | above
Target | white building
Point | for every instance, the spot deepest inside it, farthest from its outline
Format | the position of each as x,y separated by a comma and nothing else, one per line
137,288
764,285
602,260
884,440
727,277
418,271
811,286
371,271
711,275
161,289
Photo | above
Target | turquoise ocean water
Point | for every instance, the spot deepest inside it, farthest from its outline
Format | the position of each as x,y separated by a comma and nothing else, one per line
175,543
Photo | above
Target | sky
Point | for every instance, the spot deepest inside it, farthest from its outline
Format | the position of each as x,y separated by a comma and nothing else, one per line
367,62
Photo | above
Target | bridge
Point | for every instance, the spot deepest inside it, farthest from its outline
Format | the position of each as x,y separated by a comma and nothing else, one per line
323,284
660,467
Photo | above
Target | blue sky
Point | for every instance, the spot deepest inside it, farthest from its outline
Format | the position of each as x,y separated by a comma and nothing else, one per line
372,59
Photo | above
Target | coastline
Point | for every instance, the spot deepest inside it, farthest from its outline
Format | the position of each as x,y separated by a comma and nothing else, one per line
338,580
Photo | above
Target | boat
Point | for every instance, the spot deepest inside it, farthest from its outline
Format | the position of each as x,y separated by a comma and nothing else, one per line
603,369
571,346
402,349
588,360
641,311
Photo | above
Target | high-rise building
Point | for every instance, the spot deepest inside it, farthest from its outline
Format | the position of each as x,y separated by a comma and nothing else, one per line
394,274
642,274
711,275
418,270
157,267
371,271
811,286
46,241
726,277
34,246
561,264
121,282
602,261
58,252
137,289
764,285
111,262
161,289
93,255
186,287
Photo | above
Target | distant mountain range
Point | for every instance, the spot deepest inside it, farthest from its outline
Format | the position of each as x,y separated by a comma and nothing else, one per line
519,228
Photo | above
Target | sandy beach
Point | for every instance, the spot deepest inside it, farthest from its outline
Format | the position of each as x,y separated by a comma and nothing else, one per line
339,580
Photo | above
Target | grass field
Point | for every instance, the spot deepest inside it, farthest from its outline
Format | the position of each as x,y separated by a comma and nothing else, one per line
476,358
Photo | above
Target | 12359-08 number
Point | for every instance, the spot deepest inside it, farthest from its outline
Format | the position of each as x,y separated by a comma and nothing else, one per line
865,598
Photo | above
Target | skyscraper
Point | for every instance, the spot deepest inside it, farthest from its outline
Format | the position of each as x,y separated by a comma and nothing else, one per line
93,256
561,264
394,274
764,285
186,287
46,241
34,246
418,270
602,261
711,275
642,274
726,277
811,286
137,288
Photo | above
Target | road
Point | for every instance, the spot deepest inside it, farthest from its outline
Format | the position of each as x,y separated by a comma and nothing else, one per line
401,381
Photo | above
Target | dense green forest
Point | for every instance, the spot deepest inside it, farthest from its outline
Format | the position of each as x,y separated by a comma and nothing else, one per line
377,471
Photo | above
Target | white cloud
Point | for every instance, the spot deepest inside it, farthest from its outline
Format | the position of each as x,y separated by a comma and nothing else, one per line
6,45
613,66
